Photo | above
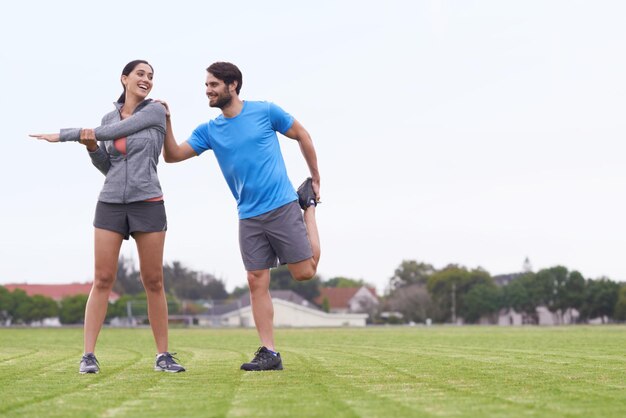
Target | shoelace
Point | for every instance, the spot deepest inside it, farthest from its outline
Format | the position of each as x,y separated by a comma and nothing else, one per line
259,355
91,360
169,358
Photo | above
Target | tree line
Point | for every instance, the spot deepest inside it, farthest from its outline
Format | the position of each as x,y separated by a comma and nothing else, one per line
416,291
180,282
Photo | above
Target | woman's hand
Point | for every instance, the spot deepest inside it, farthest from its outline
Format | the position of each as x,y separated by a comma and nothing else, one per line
47,137
88,139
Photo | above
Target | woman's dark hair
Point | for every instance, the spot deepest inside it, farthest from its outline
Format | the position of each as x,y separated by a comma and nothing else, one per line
126,71
226,72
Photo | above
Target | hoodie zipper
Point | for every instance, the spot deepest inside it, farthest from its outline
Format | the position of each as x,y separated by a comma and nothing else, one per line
126,155
125,173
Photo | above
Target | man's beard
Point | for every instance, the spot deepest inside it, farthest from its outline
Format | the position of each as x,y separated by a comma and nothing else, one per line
222,101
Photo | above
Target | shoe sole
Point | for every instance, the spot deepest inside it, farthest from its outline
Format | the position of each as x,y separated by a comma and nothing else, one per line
96,372
277,368
158,369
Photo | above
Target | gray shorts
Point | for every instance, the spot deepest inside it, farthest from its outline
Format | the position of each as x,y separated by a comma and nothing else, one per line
278,234
128,218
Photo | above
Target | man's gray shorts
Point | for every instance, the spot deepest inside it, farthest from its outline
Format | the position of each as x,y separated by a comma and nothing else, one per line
128,218
278,234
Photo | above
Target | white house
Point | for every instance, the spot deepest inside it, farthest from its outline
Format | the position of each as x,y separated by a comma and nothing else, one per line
290,310
348,299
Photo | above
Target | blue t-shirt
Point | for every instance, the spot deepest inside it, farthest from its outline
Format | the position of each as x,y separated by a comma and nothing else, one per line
248,152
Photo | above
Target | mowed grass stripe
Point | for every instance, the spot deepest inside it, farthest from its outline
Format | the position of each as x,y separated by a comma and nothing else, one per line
354,386
409,386
458,361
58,388
280,393
437,371
211,380
17,353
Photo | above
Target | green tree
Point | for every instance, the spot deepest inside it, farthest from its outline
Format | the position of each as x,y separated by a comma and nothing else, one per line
325,305
543,289
239,291
128,278
560,290
343,282
188,284
6,304
73,309
43,307
410,272
449,286
413,302
575,290
138,306
483,299
601,296
22,307
521,295
515,296
280,278
619,312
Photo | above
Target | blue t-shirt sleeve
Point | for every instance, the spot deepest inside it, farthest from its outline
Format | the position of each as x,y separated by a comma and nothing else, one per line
281,121
199,139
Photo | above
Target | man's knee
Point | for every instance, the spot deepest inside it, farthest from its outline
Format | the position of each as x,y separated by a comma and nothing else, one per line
304,271
257,281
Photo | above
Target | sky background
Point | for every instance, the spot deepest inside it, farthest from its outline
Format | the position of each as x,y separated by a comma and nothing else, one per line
470,132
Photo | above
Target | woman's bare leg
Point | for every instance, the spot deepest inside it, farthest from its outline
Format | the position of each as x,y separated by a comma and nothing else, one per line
107,246
150,249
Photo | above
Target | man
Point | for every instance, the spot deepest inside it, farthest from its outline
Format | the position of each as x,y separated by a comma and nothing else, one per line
271,224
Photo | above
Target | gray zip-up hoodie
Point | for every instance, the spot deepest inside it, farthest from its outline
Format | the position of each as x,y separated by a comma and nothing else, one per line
131,177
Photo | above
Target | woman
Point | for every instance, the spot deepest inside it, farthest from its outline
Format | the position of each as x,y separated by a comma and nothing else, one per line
130,203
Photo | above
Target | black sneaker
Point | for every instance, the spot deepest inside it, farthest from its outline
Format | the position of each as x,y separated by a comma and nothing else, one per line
263,360
166,362
89,364
306,195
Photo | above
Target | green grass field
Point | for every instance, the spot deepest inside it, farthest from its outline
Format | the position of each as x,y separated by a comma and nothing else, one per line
373,372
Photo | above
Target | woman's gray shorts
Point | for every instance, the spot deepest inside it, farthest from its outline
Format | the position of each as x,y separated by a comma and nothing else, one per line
278,234
128,218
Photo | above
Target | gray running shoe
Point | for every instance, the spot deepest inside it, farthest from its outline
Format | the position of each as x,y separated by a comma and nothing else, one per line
263,359
89,364
166,362
306,195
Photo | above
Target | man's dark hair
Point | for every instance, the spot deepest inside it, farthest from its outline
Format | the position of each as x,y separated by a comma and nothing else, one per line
226,72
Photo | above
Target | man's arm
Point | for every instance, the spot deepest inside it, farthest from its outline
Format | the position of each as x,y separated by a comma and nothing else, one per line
300,134
172,151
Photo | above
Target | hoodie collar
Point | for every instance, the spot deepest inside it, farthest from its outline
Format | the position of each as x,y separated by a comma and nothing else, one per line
119,105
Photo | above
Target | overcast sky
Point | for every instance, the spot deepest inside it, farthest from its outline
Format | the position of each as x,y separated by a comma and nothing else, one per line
469,132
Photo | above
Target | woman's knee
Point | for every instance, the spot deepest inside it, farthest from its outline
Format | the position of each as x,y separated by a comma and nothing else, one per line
153,283
104,280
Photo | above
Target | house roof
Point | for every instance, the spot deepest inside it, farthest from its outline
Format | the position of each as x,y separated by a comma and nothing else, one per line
56,291
505,279
243,301
339,297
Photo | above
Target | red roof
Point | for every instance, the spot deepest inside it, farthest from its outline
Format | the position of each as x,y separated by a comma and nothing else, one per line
56,291
338,297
